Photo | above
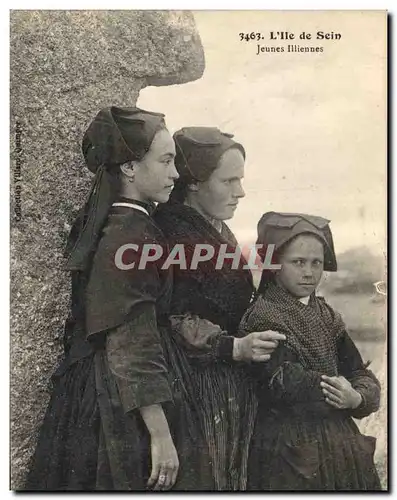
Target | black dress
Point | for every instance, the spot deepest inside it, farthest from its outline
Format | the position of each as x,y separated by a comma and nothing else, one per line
300,442
116,345
219,389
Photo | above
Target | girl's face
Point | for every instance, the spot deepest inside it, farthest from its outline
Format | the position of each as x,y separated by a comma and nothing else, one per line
155,174
218,197
302,264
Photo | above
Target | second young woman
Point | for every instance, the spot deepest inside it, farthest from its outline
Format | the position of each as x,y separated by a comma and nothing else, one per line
208,301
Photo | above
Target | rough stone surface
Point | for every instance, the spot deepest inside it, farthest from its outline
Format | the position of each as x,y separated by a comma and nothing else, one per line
65,66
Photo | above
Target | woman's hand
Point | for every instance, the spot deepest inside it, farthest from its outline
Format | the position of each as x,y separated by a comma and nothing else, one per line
256,346
165,463
339,393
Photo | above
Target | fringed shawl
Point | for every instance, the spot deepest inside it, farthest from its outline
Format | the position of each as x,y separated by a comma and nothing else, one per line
311,330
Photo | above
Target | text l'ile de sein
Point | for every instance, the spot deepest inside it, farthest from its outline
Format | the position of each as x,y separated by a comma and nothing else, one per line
289,36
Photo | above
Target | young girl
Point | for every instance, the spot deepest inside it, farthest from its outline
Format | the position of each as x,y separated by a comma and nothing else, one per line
316,381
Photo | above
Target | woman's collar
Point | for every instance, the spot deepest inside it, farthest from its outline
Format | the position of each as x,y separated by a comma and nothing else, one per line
146,207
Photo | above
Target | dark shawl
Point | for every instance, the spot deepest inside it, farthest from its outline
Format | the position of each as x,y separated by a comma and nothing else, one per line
311,330
93,437
220,296
220,392
103,296
113,293
301,442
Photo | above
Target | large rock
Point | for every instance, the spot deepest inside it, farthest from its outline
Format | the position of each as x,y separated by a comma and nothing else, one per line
65,66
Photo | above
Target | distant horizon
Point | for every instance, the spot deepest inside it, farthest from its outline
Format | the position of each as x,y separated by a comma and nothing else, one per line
248,237
313,125
358,249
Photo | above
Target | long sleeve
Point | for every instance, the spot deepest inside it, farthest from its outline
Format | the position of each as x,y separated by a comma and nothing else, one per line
352,367
287,380
137,362
222,347
201,338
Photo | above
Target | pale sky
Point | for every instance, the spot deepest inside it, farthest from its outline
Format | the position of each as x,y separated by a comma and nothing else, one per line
313,124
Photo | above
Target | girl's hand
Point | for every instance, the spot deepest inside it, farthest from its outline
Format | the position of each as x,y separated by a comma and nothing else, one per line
165,463
339,393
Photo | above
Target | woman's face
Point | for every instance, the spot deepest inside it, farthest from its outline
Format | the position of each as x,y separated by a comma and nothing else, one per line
302,264
155,174
218,197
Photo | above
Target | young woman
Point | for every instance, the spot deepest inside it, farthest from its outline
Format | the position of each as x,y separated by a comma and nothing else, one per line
305,437
208,301
106,426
